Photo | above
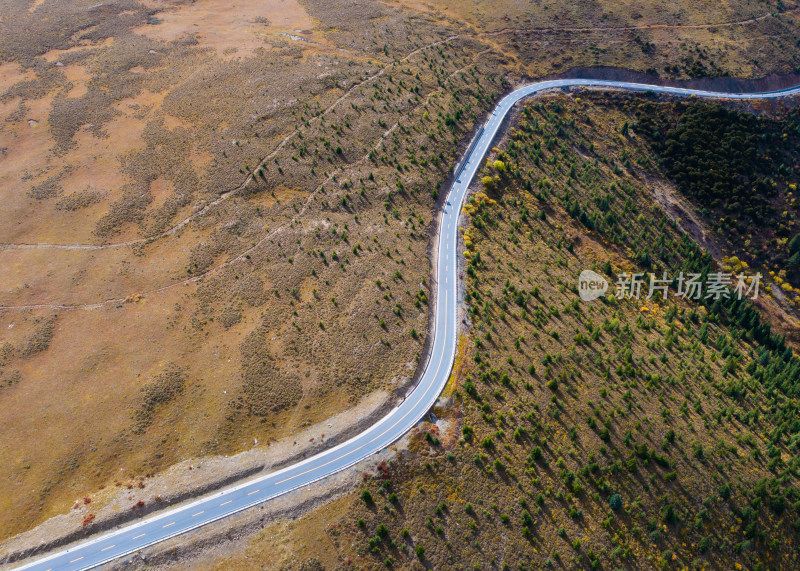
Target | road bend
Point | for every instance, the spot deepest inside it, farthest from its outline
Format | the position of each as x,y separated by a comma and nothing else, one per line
186,517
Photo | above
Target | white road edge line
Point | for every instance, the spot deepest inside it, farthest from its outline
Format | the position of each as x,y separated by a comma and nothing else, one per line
418,401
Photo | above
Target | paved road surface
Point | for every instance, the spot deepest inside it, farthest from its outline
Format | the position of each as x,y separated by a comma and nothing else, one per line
175,521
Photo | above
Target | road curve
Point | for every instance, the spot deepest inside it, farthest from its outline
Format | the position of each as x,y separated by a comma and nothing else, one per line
171,522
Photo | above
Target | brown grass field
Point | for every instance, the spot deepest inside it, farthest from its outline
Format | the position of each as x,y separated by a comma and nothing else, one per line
217,216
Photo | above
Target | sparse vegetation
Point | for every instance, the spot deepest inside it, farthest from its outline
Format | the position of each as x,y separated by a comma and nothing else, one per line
256,209
622,445
159,392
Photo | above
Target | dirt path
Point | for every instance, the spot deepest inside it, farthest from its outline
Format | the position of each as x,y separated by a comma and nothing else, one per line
642,27
242,255
234,191
250,177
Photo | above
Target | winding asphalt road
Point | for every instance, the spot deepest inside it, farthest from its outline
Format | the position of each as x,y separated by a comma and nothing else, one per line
172,522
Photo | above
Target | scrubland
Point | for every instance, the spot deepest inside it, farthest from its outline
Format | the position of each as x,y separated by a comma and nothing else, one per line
617,433
217,221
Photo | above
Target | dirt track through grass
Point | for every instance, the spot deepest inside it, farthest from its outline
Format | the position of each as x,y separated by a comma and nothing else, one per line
226,194
242,255
642,27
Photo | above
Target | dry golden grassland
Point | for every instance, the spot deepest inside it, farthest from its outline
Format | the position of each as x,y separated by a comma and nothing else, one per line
216,217
307,173
675,40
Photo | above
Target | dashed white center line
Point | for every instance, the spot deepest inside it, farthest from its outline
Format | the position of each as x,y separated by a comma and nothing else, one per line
448,215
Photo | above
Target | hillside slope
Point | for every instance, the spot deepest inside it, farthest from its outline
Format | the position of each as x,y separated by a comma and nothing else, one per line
617,433
216,217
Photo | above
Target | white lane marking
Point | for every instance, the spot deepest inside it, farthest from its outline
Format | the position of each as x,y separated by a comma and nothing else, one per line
507,104
107,548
